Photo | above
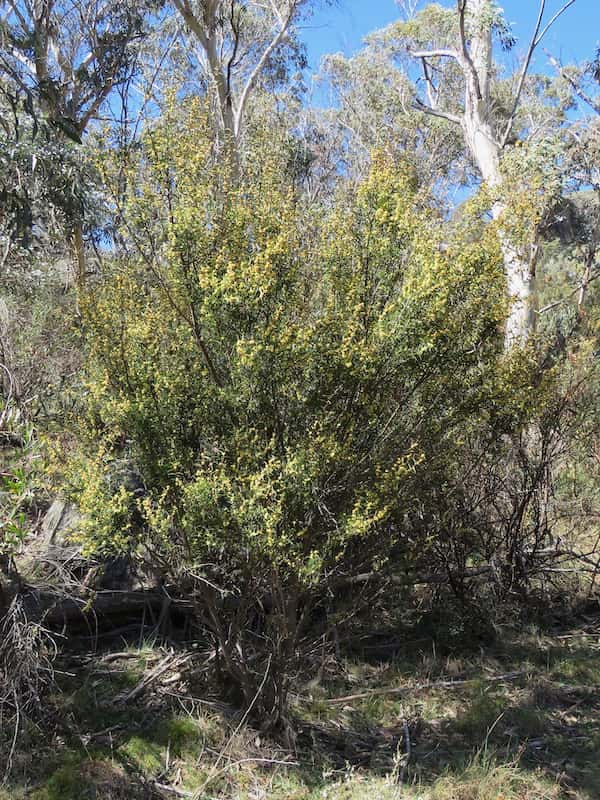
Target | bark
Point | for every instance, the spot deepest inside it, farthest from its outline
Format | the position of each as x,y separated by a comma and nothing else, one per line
520,279
55,610
485,146
486,151
231,101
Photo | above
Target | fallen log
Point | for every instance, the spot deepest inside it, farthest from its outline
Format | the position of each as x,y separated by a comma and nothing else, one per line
53,609
415,579
539,565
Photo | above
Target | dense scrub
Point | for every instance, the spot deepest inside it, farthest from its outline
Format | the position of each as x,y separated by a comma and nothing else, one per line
286,397
270,397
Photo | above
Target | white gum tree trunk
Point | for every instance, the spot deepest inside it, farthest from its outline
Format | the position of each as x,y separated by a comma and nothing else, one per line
485,144
486,151
220,47
519,267
520,279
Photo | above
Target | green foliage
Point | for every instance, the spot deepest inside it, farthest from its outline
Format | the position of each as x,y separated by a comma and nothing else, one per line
142,753
434,23
45,188
65,782
283,384
17,479
290,392
279,394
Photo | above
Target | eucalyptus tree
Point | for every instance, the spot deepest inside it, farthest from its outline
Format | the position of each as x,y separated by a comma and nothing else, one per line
70,54
433,87
243,44
62,59
43,186
462,52
578,218
571,241
372,110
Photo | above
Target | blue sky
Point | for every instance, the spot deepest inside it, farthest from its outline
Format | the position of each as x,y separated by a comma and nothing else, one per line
341,29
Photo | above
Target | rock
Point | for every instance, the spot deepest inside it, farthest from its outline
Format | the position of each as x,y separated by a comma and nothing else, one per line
60,521
56,547
55,542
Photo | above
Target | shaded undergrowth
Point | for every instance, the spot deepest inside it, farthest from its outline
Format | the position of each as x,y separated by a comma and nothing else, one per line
533,735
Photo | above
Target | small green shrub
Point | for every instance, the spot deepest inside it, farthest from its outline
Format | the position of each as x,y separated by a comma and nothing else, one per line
277,401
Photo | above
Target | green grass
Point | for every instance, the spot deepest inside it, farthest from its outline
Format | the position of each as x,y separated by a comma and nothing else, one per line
535,738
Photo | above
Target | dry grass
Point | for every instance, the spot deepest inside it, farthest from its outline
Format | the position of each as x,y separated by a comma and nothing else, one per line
534,738
27,652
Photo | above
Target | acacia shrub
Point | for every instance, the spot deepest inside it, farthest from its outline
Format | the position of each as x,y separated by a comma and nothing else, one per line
287,382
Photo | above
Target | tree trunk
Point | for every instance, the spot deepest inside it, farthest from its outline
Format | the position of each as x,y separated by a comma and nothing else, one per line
520,278
80,260
486,150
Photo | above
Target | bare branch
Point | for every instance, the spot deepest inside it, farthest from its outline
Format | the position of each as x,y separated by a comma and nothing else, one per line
192,21
432,93
19,16
14,74
93,109
535,40
552,20
523,75
434,112
446,684
276,12
22,59
254,75
594,104
581,287
435,54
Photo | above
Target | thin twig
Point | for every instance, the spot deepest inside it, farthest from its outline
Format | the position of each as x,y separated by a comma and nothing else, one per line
407,749
509,676
535,40
213,771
